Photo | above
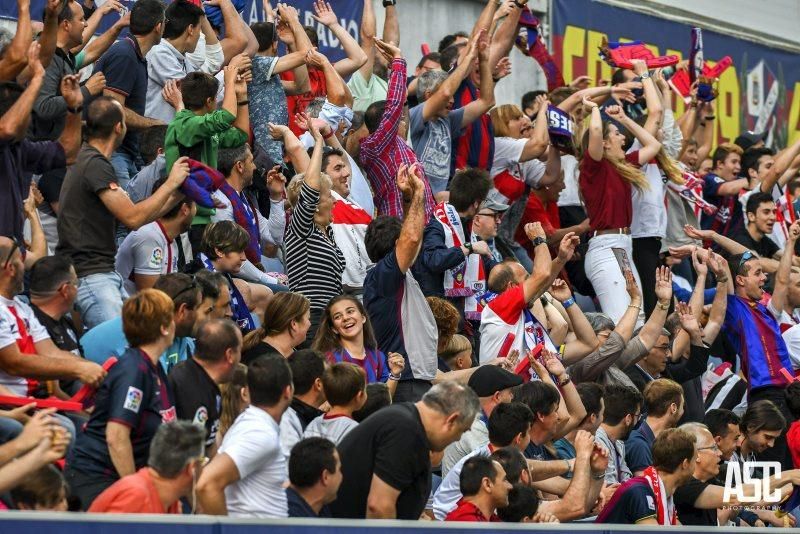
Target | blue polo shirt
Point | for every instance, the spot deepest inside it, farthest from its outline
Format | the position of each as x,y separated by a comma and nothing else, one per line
298,507
633,501
107,339
639,448
125,69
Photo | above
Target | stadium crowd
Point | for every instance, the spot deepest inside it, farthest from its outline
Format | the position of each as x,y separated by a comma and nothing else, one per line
239,278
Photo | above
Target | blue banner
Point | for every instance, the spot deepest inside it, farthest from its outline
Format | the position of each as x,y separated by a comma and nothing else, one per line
348,12
760,92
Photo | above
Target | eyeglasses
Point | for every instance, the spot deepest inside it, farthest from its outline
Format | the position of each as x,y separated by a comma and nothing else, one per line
665,348
636,417
17,245
496,216
713,448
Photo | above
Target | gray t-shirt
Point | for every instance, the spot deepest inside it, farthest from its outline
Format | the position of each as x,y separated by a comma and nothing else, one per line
146,251
433,141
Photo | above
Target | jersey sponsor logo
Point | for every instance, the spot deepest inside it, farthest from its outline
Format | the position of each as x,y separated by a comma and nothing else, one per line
168,415
201,415
156,257
650,502
133,399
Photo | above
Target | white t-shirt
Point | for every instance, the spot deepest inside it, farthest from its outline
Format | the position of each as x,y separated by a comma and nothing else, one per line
509,175
254,445
649,210
449,492
503,316
570,195
792,339
10,333
333,428
291,431
146,251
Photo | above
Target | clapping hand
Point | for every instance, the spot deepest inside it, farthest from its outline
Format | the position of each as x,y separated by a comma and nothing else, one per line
663,283
566,249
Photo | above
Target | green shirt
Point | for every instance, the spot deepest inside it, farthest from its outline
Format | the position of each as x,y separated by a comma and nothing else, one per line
366,93
205,135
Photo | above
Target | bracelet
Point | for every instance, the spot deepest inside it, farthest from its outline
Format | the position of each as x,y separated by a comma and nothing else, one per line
723,280
600,476
538,240
520,4
75,110
562,383
328,136
711,117
394,377
645,76
569,469
569,302
634,306
243,103
662,306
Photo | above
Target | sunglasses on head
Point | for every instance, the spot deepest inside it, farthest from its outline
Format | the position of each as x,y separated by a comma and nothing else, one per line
747,256
14,247
189,287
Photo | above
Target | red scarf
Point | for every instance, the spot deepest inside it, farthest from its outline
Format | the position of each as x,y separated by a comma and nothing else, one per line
665,508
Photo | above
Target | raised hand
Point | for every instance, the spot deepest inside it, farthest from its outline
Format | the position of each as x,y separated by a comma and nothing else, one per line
502,69
278,131
276,182
324,13
404,181
534,230
581,82
663,283
388,50
599,459
71,90
716,263
621,93
687,318
541,103
314,58
700,267
631,287
553,364
584,446
639,66
615,113
566,249
34,63
794,231
696,233
589,104
560,290
312,127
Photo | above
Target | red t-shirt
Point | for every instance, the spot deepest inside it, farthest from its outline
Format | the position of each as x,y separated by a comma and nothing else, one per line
606,195
535,211
299,103
466,511
133,494
793,440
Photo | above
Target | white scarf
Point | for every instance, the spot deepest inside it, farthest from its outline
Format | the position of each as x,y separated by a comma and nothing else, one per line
469,278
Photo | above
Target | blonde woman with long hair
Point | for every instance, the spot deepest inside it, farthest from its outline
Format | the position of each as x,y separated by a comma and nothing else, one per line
607,179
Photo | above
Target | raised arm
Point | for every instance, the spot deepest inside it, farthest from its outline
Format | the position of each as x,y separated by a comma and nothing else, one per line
294,147
540,137
338,93
13,121
595,148
627,323
93,22
535,284
367,33
160,202
779,294
476,108
47,39
505,33
412,187
719,306
655,111
650,145
234,42
782,162
395,96
356,57
97,47
16,54
313,174
586,340
572,401
655,323
440,99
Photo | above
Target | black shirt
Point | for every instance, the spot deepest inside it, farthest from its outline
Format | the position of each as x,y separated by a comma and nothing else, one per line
135,394
391,444
62,331
197,397
766,248
298,507
685,497
262,349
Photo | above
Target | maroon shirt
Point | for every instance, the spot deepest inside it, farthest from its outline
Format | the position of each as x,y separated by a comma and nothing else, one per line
606,194
466,511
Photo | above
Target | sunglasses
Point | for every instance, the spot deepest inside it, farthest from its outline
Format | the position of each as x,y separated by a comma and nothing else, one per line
747,256
15,246
192,285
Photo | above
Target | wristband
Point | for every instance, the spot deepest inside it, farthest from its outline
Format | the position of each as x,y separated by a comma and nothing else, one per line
662,306
520,4
388,3
75,110
564,382
569,469
723,280
328,136
599,476
569,302
394,377
243,103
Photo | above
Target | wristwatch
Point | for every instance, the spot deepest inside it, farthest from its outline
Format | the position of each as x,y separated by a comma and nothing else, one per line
387,3
538,240
468,246
645,76
563,382
75,110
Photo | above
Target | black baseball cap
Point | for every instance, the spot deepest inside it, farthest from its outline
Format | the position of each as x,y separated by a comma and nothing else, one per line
489,379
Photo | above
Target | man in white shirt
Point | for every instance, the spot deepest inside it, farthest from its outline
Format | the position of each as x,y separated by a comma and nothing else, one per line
151,251
246,477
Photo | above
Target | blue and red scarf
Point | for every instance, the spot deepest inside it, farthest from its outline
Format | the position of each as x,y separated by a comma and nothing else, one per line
241,314
534,46
245,216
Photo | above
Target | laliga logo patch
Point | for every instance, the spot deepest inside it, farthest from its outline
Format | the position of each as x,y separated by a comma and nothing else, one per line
201,415
133,399
156,257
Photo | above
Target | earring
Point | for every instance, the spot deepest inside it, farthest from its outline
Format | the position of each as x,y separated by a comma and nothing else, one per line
317,209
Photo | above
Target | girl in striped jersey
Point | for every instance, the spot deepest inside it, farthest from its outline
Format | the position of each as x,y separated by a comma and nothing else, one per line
345,335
